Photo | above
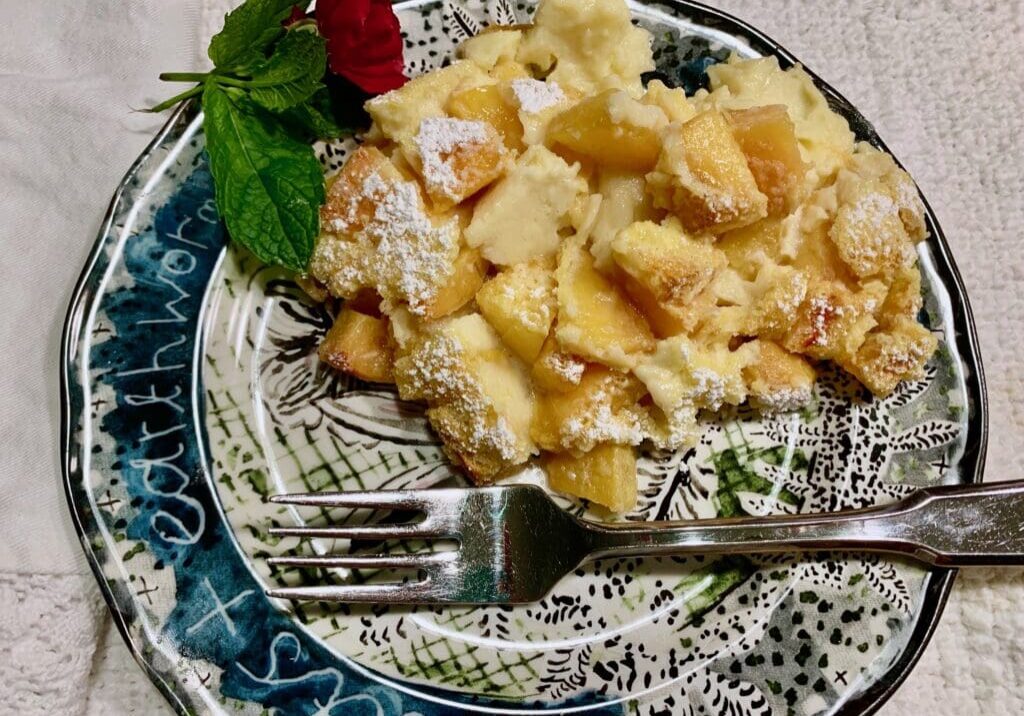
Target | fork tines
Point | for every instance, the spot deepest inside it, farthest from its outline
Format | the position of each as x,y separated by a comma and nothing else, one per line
434,525
427,564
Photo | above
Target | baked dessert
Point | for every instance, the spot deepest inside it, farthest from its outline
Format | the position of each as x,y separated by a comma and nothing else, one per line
566,265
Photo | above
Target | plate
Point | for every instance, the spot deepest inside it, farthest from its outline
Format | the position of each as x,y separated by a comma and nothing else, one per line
191,391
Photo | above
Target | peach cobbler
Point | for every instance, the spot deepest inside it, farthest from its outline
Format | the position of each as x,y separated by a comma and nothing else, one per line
563,264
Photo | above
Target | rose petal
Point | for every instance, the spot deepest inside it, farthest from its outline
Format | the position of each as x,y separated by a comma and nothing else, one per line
364,42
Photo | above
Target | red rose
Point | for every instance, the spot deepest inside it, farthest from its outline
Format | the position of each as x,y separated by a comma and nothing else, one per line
364,42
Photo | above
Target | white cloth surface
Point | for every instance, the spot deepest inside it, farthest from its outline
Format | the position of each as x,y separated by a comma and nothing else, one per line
941,81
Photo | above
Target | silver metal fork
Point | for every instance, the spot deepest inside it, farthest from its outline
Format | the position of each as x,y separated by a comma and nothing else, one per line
515,543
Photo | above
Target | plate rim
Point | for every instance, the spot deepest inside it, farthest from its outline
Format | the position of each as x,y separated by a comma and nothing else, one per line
79,307
939,580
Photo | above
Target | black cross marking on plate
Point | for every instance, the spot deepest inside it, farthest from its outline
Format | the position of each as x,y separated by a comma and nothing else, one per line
841,677
110,503
97,403
146,591
941,464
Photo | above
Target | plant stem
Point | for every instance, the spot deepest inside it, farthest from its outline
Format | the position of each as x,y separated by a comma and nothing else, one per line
232,81
183,76
167,104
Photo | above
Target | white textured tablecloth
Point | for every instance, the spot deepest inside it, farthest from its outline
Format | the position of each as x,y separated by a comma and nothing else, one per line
941,81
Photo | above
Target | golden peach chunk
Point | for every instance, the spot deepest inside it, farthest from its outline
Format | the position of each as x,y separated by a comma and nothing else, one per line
749,247
520,304
776,297
777,380
458,157
359,345
833,321
767,137
669,267
382,236
348,208
487,104
602,408
868,232
663,320
611,128
605,475
595,318
889,356
703,178
903,299
469,271
506,71
556,371
397,114
824,136
538,102
818,256
479,396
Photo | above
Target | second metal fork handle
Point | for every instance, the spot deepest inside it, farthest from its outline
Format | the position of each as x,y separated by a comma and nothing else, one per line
951,526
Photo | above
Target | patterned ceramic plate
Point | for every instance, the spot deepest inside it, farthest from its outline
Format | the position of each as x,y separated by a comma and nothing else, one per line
192,390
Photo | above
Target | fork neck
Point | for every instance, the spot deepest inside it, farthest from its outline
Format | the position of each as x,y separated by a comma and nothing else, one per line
948,526
749,535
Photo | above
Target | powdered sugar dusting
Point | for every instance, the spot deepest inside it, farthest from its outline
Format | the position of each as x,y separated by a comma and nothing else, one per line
823,311
602,425
785,400
709,388
536,96
905,358
567,367
534,306
437,372
438,139
399,252
873,208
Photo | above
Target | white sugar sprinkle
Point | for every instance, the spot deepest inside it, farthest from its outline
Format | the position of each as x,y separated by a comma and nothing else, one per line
602,426
785,400
400,252
566,366
823,310
709,387
873,208
437,371
438,139
536,96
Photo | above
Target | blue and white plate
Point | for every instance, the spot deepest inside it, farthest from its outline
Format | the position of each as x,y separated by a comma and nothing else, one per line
191,391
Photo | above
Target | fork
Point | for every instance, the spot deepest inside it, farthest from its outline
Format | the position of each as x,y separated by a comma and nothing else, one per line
515,543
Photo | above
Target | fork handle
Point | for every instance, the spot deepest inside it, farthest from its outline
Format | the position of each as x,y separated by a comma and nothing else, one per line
948,526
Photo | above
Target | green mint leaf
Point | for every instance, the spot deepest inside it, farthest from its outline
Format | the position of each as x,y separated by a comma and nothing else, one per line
248,31
318,118
293,72
269,185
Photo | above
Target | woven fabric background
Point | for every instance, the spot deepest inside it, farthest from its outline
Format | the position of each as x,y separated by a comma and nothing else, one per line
940,79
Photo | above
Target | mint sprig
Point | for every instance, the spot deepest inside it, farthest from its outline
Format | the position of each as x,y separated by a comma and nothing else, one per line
293,72
248,31
264,101
269,185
